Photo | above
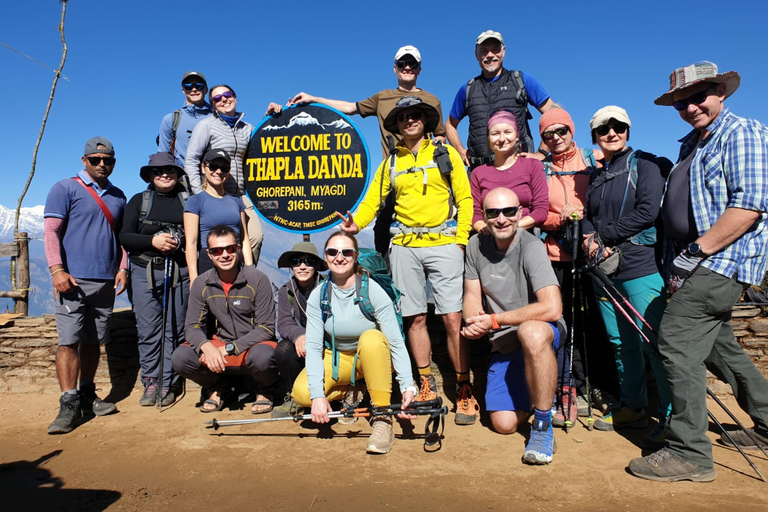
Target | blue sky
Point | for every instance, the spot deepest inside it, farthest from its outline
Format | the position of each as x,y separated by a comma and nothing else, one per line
126,60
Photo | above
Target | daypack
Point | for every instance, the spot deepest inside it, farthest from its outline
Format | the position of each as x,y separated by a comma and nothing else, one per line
176,121
147,199
374,267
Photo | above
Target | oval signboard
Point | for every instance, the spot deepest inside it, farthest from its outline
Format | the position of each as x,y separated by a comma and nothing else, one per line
305,165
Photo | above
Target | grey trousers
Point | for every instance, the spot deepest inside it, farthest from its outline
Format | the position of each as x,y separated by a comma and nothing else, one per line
259,364
696,333
148,308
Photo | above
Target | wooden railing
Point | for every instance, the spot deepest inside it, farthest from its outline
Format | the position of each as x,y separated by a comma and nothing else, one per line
18,251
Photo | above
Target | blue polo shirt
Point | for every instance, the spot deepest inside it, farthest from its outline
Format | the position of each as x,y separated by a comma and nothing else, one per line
90,248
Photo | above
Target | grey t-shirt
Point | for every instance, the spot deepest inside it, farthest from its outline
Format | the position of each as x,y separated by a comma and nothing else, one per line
509,279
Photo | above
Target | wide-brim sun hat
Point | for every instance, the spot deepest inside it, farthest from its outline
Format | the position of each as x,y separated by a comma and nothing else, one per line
302,249
703,71
407,102
162,159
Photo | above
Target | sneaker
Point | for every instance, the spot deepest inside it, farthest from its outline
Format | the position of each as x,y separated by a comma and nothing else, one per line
582,406
289,409
566,403
352,399
656,439
92,405
383,436
603,401
541,445
742,438
622,418
665,466
149,397
427,389
69,412
168,397
467,409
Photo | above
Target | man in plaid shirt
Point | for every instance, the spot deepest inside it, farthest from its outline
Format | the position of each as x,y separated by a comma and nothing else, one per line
714,214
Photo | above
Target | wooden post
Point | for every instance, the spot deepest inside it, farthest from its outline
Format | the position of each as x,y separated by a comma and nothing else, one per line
22,269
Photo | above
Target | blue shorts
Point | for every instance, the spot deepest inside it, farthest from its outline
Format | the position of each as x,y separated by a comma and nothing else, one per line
507,389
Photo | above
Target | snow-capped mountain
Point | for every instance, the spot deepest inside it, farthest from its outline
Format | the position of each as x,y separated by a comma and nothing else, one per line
304,119
31,221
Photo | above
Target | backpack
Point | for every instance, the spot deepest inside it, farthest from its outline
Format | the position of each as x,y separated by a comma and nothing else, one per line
374,267
148,197
176,121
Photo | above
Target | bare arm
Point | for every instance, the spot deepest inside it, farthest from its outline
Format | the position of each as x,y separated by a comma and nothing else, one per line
346,107
547,308
247,252
453,137
729,227
191,234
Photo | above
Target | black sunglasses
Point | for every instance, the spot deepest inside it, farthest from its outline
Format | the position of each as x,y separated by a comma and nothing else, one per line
416,115
561,132
226,94
694,99
401,64
309,261
617,127
216,167
196,85
508,212
159,171
218,251
95,160
347,253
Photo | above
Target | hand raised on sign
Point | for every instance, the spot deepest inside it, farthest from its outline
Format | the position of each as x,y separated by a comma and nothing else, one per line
348,224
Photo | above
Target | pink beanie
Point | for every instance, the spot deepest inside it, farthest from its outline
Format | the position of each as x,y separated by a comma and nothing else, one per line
555,116
502,116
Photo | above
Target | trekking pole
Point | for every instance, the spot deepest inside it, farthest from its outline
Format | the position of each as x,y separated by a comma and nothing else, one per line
166,275
575,227
585,312
604,282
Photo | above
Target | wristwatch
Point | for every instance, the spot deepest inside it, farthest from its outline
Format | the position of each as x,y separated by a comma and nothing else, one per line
230,348
694,250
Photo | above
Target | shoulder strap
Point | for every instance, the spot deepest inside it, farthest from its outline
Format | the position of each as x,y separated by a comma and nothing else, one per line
466,94
363,298
631,179
589,159
174,128
325,301
147,198
522,94
392,165
99,201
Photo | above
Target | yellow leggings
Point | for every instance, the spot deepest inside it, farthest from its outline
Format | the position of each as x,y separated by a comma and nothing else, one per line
374,364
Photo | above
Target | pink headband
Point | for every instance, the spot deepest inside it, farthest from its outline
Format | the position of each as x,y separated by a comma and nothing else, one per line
502,116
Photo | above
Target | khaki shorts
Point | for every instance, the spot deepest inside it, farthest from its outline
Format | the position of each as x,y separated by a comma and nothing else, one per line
443,266
82,315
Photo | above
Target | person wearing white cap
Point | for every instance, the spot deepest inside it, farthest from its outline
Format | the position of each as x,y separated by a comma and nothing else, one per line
493,89
407,68
714,215
622,204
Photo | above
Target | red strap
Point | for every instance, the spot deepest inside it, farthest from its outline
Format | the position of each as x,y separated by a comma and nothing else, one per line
99,201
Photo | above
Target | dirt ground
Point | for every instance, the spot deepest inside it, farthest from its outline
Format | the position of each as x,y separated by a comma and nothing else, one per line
143,460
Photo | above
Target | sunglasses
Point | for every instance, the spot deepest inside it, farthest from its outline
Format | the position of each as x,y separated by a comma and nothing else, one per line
508,212
218,251
694,99
560,132
227,94
95,160
416,115
159,171
347,253
402,64
196,85
618,128
308,261
216,167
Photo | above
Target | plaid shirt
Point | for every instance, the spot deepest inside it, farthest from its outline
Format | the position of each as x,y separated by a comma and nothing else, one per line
730,170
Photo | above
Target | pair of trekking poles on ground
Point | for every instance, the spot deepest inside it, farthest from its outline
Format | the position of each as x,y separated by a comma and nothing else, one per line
432,408
622,304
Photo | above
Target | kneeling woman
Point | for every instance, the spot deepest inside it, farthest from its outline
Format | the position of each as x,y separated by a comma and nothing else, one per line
358,348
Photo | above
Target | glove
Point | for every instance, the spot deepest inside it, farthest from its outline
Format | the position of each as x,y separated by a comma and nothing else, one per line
681,269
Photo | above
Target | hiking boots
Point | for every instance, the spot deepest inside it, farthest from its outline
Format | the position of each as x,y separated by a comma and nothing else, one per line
427,389
354,395
383,436
541,445
603,401
289,409
92,405
656,439
149,397
168,397
665,466
622,418
467,409
742,439
69,412
567,407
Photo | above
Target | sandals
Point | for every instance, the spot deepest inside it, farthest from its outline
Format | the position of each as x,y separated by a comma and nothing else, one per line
262,402
219,405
